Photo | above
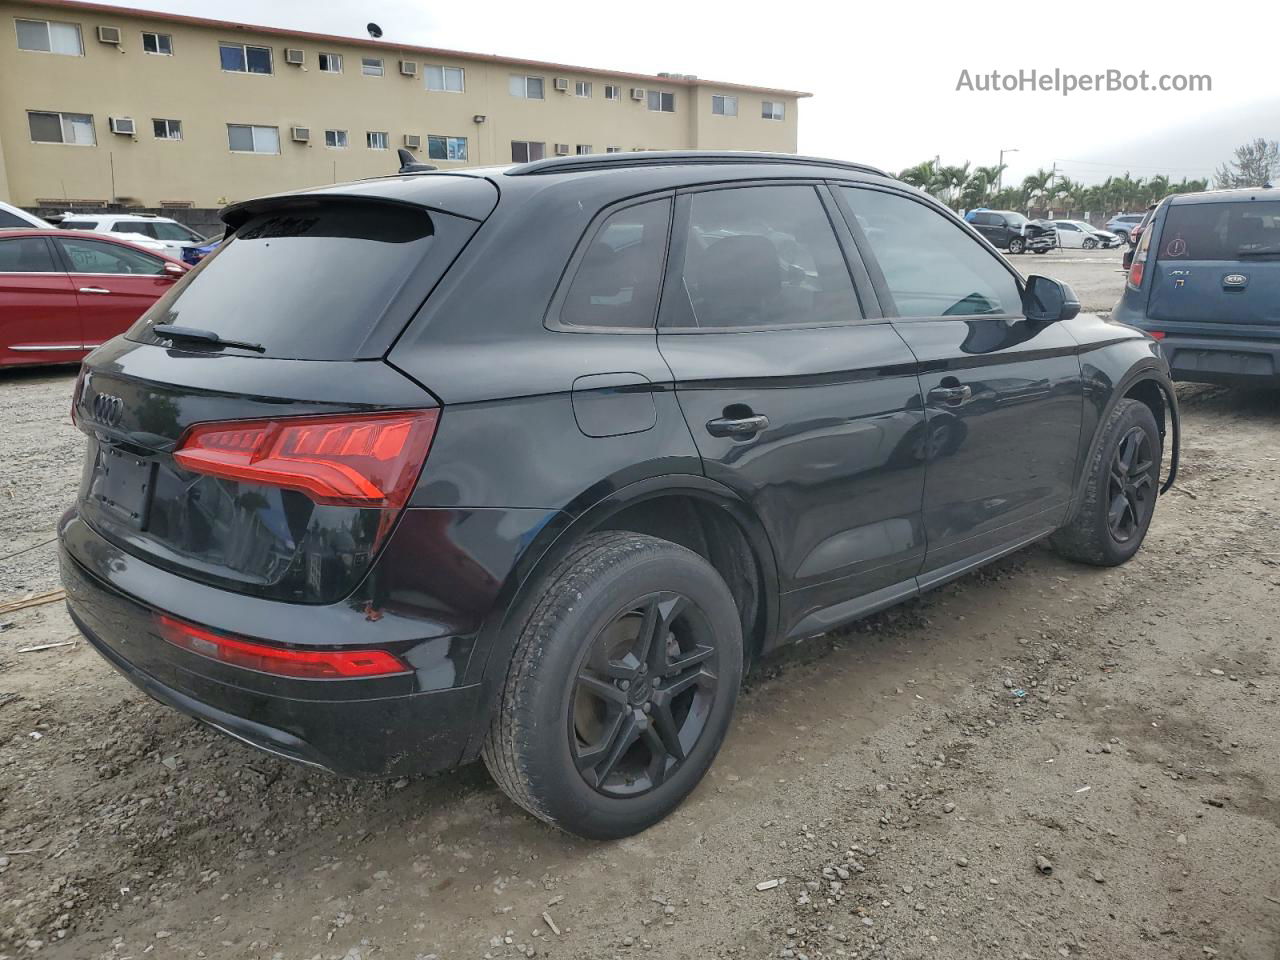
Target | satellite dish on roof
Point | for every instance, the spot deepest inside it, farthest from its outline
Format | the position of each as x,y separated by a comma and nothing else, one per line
375,31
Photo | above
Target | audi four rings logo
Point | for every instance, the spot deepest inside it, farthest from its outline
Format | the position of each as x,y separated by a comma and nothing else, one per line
107,409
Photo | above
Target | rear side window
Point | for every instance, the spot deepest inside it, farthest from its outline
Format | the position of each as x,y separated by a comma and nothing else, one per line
78,225
1221,231
135,226
99,256
26,255
8,219
619,276
763,257
932,267
312,281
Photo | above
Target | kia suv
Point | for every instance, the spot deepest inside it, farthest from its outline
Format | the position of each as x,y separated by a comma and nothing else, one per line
530,463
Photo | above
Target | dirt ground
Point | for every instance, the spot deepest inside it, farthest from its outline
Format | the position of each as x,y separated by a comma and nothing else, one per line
900,778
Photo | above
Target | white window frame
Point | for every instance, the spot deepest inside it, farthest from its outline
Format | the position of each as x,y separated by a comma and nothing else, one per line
612,149
526,78
48,31
726,101
331,59
582,88
255,127
244,48
773,110
371,139
367,62
337,135
157,52
582,149
660,94
170,127
612,91
63,119
450,148
528,152
432,71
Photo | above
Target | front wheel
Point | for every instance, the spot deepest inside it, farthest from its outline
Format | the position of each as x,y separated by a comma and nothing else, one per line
1090,243
620,689
1017,245
1043,250
1120,497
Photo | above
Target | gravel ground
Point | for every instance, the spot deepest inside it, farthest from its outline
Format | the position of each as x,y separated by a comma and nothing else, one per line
1095,275
893,791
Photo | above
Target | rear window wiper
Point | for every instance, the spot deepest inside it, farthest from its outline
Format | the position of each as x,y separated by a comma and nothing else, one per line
170,332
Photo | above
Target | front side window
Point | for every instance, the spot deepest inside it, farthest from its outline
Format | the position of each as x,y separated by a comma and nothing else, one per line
335,138
724,106
446,148
99,256
529,88
73,128
523,151
762,257
244,58
26,255
444,79
157,43
167,129
50,36
662,102
371,66
330,62
245,138
931,266
612,91
377,140
620,275
772,110
582,88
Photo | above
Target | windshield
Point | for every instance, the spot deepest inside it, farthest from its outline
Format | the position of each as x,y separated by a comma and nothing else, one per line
1221,231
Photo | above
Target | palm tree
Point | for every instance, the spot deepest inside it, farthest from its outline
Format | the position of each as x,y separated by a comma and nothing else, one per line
922,175
1037,187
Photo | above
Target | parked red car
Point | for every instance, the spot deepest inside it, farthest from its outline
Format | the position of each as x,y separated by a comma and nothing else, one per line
64,292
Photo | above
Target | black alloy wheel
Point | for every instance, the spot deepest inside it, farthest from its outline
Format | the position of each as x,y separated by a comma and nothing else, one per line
1131,491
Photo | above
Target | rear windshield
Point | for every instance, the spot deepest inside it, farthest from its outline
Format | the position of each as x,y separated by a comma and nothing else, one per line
78,224
313,282
1221,231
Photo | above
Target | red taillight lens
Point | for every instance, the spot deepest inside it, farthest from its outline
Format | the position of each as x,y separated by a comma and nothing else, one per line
360,460
1155,334
279,661
1135,273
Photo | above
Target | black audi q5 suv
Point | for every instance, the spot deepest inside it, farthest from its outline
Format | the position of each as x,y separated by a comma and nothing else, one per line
530,463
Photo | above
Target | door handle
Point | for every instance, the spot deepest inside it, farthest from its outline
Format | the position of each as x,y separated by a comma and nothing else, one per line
94,290
739,427
951,395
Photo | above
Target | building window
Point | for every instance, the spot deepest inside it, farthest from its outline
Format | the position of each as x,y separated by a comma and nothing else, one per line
583,149
371,66
330,62
335,138
612,91
50,36
244,58
158,43
662,102
167,129
446,148
443,79
523,151
724,106
582,88
244,138
377,140
529,88
612,149
771,110
74,128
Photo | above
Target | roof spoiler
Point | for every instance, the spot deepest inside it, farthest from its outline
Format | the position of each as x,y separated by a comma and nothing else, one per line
408,164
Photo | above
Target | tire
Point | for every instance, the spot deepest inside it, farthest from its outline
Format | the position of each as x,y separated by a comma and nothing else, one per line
1043,250
1120,497
1017,245
580,687
1089,243
1123,236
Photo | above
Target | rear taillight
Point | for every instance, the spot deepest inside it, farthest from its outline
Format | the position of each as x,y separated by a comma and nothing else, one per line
1135,273
279,661
1155,334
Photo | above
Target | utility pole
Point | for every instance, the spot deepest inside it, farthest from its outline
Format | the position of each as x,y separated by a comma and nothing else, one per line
1000,167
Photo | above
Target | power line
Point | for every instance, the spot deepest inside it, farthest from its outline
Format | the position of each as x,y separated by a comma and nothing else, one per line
1134,166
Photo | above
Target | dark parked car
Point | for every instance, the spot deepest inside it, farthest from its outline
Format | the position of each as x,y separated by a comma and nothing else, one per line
1205,281
1010,230
531,463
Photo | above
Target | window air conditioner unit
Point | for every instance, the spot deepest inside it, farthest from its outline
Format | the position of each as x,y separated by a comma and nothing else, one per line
109,35
413,141
562,84
300,134
637,93
562,149
295,56
409,68
122,126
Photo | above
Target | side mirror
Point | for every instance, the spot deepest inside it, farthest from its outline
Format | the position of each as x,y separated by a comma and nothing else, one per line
173,271
1048,301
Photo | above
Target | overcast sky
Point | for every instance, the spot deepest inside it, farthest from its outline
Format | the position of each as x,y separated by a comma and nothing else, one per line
884,75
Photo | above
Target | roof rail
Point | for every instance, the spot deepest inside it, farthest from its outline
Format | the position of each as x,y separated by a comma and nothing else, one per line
655,158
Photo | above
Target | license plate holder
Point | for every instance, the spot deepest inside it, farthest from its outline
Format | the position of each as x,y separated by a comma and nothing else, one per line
122,485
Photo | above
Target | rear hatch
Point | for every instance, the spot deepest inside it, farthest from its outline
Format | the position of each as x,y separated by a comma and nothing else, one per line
276,462
1217,268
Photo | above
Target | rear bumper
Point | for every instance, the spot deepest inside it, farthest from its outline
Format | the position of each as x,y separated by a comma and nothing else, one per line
1225,361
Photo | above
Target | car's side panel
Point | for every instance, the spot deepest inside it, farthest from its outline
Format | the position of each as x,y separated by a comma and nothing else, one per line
39,319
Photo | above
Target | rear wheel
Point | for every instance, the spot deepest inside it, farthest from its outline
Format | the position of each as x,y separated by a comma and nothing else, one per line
1120,497
1123,235
620,689
1017,245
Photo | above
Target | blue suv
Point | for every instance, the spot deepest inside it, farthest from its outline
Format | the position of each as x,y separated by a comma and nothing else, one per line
1205,281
